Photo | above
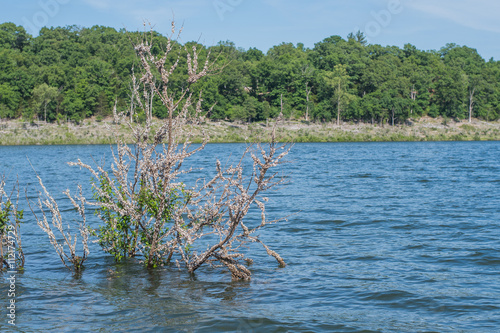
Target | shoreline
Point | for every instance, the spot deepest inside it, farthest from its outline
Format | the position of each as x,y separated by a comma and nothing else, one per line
16,132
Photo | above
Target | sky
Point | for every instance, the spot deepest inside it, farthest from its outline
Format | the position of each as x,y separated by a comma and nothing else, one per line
427,24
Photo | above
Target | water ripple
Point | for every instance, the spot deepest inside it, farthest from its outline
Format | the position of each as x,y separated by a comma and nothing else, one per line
387,237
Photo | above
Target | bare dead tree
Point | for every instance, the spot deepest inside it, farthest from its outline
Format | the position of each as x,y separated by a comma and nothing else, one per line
69,242
144,207
223,204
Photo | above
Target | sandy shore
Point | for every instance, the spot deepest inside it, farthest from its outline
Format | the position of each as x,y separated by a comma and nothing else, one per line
16,132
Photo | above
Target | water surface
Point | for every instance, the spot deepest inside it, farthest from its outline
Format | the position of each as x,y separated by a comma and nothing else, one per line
385,237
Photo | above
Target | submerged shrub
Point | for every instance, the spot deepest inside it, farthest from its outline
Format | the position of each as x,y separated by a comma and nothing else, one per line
11,251
145,211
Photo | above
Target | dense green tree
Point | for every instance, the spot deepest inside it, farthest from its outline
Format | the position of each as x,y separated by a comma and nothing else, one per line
9,100
91,69
489,108
338,81
14,37
359,37
42,96
451,93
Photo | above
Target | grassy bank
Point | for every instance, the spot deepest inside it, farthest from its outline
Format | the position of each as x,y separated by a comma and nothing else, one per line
93,132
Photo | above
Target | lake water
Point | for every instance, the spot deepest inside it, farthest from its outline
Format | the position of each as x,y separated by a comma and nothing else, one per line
387,237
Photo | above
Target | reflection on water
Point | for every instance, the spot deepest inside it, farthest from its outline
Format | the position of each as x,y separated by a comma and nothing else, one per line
386,237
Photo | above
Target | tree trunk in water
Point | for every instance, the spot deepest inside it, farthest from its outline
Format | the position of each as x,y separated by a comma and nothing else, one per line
151,105
131,106
170,114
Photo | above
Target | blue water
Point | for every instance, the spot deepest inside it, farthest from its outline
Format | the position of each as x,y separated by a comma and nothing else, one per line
383,237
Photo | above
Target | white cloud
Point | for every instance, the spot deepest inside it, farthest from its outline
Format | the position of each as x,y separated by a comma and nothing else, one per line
477,14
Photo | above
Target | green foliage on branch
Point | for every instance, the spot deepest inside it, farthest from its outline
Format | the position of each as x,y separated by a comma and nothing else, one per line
118,235
123,236
7,213
10,223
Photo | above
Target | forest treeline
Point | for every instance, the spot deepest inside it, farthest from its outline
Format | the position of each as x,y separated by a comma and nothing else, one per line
72,73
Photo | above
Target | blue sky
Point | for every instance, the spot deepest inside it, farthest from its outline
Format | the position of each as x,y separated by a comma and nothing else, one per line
427,24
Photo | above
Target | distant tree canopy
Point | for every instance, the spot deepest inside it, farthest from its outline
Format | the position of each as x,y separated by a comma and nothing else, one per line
74,73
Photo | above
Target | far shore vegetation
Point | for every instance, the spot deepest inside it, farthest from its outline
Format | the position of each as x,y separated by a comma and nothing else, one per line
63,86
90,131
